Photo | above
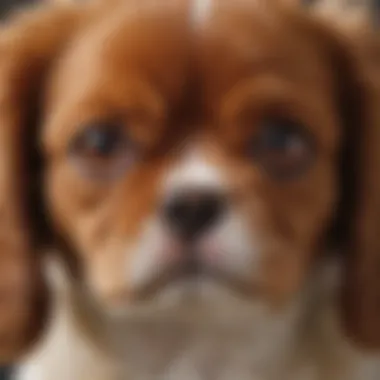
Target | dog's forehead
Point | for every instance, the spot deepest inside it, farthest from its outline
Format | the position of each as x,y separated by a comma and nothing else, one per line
153,34
142,39
214,44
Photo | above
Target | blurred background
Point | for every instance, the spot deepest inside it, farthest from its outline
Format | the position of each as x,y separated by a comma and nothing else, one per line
7,5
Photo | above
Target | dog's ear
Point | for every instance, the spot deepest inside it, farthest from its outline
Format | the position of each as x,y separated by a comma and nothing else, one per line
356,62
353,50
361,178
29,44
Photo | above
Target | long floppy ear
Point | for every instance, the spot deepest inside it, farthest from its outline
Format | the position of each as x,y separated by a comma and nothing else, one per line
28,46
357,69
354,53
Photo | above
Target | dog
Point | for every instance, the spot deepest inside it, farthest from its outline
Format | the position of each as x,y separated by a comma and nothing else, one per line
190,190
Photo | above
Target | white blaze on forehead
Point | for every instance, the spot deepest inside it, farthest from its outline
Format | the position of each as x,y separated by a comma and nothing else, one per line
200,11
194,171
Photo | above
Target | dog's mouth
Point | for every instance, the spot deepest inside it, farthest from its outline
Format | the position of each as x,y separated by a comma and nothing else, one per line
194,273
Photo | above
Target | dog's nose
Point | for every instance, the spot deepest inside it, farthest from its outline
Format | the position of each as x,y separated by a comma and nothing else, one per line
190,213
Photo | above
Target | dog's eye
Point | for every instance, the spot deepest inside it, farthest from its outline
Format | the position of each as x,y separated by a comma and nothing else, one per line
100,141
102,150
282,148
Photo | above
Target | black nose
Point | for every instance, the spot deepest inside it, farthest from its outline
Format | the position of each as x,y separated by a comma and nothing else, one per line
191,213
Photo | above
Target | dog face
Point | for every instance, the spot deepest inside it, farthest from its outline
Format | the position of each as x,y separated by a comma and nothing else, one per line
192,153
204,159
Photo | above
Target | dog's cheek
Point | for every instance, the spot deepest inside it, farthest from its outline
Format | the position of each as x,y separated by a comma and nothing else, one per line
286,223
106,225
302,224
75,207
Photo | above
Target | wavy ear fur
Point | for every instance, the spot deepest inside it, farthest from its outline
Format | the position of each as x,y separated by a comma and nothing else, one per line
28,46
361,183
353,49
356,60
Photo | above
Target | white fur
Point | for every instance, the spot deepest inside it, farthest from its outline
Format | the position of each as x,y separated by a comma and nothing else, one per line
200,11
148,260
233,246
71,347
228,246
303,342
194,171
216,335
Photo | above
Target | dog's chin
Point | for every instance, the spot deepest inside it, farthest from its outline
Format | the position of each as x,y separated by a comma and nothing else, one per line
196,299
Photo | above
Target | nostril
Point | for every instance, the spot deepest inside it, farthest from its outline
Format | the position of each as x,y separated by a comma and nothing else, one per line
190,214
178,211
207,210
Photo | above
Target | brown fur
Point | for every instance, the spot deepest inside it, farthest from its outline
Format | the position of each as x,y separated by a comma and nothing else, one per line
87,62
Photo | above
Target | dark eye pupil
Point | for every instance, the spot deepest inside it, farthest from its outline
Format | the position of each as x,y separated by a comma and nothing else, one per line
278,138
100,141
282,148
102,151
